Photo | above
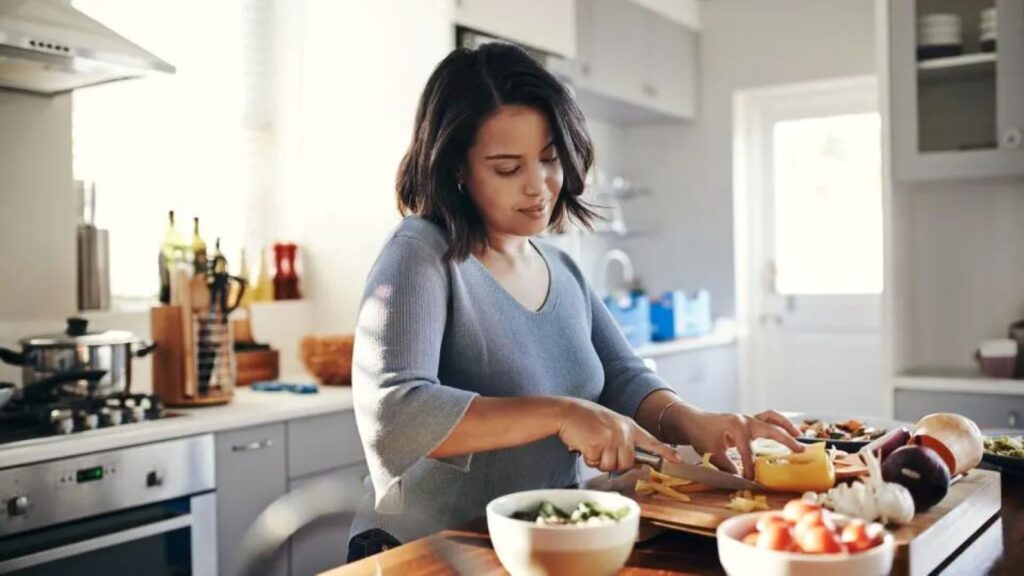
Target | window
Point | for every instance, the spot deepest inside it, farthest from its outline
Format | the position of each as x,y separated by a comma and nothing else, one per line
828,204
199,142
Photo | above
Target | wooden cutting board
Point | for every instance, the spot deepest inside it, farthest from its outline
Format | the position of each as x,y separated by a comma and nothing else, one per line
923,545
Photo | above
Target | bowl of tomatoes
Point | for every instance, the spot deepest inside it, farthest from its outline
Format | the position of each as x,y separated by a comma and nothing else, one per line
804,539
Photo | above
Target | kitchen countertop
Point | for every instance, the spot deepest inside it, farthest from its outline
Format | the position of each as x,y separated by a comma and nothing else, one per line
724,334
962,381
998,549
248,408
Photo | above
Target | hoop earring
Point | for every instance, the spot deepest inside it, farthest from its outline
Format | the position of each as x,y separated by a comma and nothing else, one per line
462,188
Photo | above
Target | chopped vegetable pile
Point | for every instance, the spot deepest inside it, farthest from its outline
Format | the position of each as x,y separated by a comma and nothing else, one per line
585,514
1011,446
851,430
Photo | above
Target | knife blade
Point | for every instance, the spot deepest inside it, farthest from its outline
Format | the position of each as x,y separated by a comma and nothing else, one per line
689,470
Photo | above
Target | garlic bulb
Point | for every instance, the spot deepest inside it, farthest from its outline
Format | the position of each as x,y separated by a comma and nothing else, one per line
871,499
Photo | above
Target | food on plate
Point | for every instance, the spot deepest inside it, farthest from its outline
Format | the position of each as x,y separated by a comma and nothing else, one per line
920,470
888,442
870,499
585,514
670,486
745,501
848,431
804,527
956,439
1008,446
812,469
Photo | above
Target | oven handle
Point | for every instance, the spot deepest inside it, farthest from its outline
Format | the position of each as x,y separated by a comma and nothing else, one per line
97,543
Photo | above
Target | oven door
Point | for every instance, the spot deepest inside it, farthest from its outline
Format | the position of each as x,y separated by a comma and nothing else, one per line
167,538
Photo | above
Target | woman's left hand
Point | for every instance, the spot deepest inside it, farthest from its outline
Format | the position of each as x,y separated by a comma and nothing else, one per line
717,432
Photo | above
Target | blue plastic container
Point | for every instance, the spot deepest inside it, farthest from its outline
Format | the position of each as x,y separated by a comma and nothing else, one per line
633,315
677,314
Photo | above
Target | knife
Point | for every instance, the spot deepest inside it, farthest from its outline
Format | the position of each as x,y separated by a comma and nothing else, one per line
696,472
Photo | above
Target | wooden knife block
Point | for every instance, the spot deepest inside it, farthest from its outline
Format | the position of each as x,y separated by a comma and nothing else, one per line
174,365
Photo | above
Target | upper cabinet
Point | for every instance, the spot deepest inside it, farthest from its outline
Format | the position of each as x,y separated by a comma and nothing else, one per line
956,73
548,25
633,64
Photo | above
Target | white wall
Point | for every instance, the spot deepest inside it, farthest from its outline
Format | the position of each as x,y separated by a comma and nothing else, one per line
37,207
964,269
743,44
349,117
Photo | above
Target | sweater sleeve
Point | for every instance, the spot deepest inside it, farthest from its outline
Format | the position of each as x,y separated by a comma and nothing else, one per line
627,380
402,409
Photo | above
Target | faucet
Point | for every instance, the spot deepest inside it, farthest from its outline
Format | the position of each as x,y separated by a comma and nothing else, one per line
603,262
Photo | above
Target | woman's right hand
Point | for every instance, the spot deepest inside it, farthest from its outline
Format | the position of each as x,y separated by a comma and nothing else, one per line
606,440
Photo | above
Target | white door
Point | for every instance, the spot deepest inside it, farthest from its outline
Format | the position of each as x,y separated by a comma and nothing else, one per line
810,248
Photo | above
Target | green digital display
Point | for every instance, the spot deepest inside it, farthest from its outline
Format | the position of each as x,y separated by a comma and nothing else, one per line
90,474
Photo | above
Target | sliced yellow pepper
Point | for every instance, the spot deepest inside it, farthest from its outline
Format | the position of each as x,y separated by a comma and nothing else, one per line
810,471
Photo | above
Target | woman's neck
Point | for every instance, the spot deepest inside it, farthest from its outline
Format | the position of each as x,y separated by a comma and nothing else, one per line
505,246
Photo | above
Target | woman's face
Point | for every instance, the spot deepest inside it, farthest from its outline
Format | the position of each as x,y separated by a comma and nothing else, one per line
513,173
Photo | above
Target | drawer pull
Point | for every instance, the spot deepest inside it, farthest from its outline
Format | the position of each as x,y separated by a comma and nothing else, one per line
1014,420
253,446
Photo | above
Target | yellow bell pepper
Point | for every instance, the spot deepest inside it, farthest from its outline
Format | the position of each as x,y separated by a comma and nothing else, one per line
810,470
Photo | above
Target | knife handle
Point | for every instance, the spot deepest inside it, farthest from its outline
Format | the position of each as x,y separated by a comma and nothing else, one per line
644,457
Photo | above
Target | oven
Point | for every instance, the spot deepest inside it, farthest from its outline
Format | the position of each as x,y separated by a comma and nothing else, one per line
148,509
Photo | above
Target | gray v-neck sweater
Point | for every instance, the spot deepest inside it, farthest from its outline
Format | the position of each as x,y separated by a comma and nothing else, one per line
433,335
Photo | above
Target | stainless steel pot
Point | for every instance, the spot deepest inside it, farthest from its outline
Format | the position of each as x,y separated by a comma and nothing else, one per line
77,363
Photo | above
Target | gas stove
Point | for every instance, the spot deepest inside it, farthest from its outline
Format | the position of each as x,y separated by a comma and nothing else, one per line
28,420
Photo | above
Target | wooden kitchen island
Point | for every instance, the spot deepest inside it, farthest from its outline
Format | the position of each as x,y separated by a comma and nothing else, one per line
996,549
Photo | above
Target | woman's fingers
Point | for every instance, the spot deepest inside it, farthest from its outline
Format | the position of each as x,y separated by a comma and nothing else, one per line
773,417
766,430
722,461
609,459
625,457
740,438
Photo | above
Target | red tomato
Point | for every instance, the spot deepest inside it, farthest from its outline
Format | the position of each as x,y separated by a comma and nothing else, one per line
796,508
812,519
751,538
856,538
819,540
776,536
767,519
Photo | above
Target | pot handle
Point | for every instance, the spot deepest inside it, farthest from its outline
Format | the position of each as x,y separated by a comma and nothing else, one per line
42,388
143,348
12,357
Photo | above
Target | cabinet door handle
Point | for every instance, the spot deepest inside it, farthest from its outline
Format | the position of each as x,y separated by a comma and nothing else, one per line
253,446
1012,138
1013,420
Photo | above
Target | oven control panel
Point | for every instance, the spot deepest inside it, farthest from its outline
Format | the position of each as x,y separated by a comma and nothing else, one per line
39,495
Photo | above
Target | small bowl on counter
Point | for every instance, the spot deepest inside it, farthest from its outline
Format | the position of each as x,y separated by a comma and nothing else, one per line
528,548
741,558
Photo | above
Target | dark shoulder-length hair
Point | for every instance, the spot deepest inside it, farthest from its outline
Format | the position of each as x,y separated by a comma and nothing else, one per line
466,88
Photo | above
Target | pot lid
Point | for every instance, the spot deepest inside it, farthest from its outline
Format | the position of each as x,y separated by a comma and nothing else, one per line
77,334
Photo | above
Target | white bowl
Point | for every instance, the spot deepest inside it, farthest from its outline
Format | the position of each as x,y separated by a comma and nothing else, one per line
527,549
739,559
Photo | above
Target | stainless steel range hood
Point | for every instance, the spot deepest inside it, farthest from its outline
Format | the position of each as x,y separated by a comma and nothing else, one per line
48,47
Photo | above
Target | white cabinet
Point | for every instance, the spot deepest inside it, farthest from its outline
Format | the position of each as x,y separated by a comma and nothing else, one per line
323,544
706,378
250,475
634,65
258,465
960,116
548,25
987,410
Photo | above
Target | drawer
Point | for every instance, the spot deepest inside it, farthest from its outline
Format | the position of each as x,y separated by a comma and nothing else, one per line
250,475
320,443
988,410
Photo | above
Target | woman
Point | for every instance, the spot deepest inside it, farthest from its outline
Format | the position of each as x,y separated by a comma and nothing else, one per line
484,362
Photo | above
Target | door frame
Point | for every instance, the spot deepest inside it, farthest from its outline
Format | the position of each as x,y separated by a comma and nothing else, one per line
753,110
